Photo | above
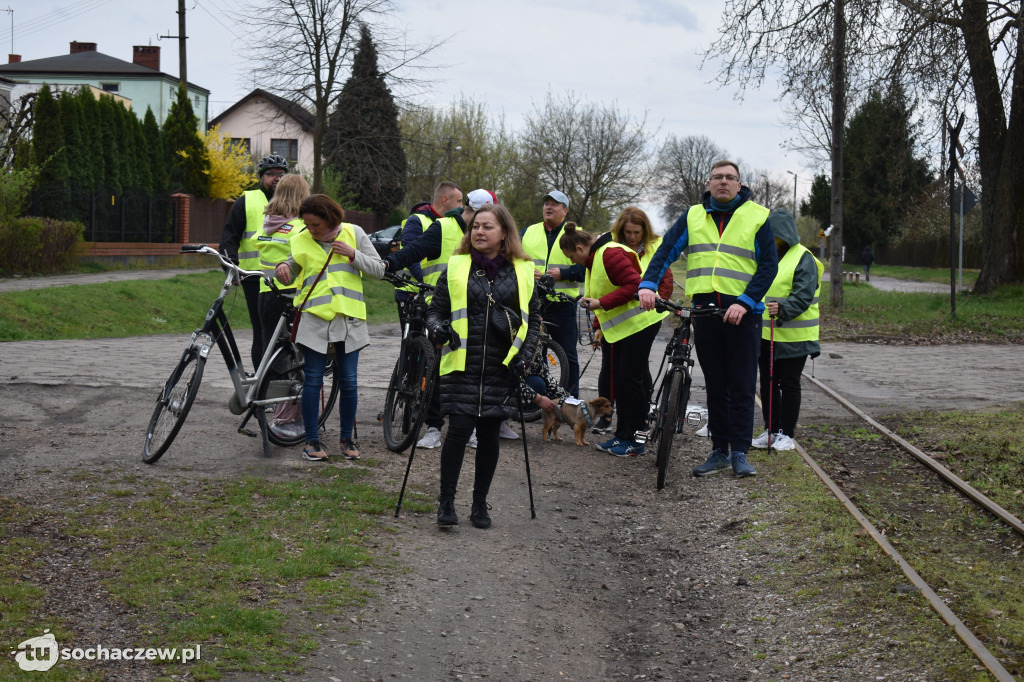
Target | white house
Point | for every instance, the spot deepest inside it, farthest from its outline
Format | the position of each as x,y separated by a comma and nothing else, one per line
267,124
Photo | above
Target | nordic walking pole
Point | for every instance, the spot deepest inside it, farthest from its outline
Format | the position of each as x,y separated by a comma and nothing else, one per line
771,376
526,452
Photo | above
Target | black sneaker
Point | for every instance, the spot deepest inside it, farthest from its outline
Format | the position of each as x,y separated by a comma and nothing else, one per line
478,516
446,512
603,424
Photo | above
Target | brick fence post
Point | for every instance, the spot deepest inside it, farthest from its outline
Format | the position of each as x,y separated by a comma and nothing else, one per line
182,207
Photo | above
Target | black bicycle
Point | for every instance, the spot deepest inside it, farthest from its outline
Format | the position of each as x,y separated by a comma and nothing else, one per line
277,380
549,360
408,396
671,392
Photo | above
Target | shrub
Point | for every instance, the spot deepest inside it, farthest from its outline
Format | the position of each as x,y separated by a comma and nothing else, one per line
38,245
15,187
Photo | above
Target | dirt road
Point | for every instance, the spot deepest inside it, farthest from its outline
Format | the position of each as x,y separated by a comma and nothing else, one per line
613,580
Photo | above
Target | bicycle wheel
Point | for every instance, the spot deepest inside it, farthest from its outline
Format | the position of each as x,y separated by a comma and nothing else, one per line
551,363
669,421
408,396
173,404
287,382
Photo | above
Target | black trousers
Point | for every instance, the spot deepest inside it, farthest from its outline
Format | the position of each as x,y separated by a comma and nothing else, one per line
783,399
251,289
631,378
728,358
604,379
460,427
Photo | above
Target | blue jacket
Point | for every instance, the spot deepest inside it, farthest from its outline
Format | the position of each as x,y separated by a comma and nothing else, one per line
677,239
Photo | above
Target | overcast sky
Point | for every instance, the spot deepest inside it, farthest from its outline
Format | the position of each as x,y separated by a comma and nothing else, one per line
643,55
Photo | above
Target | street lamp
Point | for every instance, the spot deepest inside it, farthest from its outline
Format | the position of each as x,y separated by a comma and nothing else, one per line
794,193
767,189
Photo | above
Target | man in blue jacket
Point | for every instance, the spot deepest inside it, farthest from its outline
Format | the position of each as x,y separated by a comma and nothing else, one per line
731,263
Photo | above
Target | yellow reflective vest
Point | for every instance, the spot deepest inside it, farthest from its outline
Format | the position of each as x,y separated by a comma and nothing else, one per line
803,327
248,248
621,321
276,248
459,268
724,264
535,244
340,289
645,260
451,237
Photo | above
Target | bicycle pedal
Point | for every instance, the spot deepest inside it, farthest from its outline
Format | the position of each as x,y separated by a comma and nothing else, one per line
694,418
640,437
380,416
247,432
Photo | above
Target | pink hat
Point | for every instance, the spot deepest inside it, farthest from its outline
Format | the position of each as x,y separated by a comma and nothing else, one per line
481,197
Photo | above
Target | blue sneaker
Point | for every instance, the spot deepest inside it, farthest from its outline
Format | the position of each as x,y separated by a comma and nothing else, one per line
627,448
740,466
609,444
717,461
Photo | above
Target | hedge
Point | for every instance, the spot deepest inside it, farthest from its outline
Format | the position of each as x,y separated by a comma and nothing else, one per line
37,246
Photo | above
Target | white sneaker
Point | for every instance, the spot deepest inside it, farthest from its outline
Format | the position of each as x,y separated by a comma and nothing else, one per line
703,432
472,440
431,439
761,442
781,441
507,432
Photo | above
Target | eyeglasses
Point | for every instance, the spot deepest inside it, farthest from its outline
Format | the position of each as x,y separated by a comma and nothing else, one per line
276,174
718,176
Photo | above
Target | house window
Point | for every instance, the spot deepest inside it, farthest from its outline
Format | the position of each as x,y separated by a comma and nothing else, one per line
111,87
289,149
244,142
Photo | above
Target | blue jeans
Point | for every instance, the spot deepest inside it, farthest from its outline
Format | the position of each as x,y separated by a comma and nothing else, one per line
348,398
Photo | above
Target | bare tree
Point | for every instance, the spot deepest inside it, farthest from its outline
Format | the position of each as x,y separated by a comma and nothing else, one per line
16,122
681,172
957,56
595,154
306,51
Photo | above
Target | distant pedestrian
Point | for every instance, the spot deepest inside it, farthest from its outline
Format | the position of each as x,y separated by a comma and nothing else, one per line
866,259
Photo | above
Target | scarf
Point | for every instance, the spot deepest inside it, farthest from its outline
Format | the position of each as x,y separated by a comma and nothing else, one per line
727,207
490,266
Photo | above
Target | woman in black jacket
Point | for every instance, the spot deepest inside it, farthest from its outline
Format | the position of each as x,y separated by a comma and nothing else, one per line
477,312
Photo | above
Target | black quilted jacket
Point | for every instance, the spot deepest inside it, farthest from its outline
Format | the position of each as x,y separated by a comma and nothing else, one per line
484,388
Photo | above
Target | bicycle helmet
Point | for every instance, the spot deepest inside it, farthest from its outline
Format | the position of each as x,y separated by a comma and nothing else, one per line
272,161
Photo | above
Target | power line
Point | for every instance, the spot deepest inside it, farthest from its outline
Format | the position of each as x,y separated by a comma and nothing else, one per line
57,16
212,16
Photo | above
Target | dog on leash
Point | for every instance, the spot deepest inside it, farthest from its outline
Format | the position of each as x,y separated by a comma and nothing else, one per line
574,416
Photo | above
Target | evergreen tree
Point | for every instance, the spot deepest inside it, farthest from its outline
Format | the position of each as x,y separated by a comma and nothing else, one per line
187,159
818,204
883,177
91,140
129,152
363,144
49,153
73,120
155,150
110,145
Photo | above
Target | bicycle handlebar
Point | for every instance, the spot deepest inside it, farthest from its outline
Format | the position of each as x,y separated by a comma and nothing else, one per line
662,306
399,281
546,286
228,265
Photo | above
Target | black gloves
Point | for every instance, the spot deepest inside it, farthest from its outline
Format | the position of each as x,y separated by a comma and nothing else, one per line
439,334
518,367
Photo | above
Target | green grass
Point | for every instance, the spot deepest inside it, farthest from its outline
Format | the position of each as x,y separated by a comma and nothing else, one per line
936,275
250,569
140,307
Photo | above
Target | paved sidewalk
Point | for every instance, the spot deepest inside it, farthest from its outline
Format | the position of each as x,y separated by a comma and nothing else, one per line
29,283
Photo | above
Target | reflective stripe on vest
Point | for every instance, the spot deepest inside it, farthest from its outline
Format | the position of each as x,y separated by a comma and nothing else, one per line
340,289
275,249
535,244
458,283
803,327
726,263
421,218
621,321
248,248
451,237
645,260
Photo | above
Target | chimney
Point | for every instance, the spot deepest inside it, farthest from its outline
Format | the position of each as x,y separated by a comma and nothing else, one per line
13,58
147,55
77,47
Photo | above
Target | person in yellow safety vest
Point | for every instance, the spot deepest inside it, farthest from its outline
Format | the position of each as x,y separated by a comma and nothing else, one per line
613,275
632,228
333,311
432,250
447,196
281,223
731,262
481,363
792,300
540,241
238,239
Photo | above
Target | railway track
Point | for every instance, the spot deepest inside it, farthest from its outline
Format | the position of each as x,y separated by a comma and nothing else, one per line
985,656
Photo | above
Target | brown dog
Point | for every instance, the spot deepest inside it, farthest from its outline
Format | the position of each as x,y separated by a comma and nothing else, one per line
573,416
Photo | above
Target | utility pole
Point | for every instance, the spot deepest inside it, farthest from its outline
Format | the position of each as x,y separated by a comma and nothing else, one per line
182,52
794,193
11,11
